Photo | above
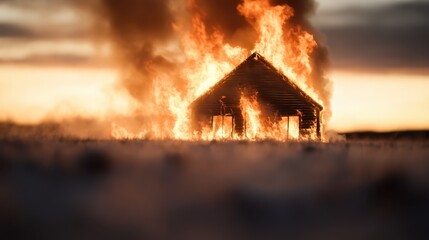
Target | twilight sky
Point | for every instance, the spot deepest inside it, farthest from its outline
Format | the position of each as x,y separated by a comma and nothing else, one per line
380,63
52,66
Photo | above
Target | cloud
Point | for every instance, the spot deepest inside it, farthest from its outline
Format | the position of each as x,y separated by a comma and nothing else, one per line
12,30
60,59
31,4
392,36
374,47
16,31
46,19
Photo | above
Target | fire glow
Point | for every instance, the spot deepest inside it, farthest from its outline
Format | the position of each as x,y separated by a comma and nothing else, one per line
207,58
257,129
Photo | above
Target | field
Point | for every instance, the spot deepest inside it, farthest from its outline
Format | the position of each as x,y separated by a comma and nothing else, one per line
88,189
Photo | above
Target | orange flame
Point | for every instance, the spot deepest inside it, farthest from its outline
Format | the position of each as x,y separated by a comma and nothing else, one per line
207,58
287,47
255,128
251,115
121,133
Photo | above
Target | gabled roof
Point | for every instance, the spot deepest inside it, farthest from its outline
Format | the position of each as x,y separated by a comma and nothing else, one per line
272,86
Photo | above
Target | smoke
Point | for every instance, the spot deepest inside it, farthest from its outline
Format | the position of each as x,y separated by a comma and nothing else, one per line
147,37
136,28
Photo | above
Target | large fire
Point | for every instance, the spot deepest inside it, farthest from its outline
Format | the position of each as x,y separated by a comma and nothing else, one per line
207,58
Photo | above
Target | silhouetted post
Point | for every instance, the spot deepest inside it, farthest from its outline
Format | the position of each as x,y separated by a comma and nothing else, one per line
232,126
222,112
222,125
288,121
319,134
245,126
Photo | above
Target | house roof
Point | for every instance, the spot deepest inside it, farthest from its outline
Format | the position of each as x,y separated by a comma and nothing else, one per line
272,86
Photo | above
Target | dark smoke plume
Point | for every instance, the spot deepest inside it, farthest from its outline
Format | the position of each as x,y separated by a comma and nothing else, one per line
136,27
223,15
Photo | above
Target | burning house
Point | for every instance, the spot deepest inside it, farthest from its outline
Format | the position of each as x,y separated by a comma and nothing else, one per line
174,76
256,87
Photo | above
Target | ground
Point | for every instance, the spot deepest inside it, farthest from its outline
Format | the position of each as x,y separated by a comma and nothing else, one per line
88,189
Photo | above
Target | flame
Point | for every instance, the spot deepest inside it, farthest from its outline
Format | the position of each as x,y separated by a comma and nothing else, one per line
255,128
207,58
251,115
121,133
287,47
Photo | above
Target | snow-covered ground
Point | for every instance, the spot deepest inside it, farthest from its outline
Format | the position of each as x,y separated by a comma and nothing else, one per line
73,189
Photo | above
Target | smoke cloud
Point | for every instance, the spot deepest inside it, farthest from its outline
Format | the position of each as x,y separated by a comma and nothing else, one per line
136,27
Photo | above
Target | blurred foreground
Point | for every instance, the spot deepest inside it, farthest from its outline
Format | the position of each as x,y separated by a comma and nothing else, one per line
74,189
